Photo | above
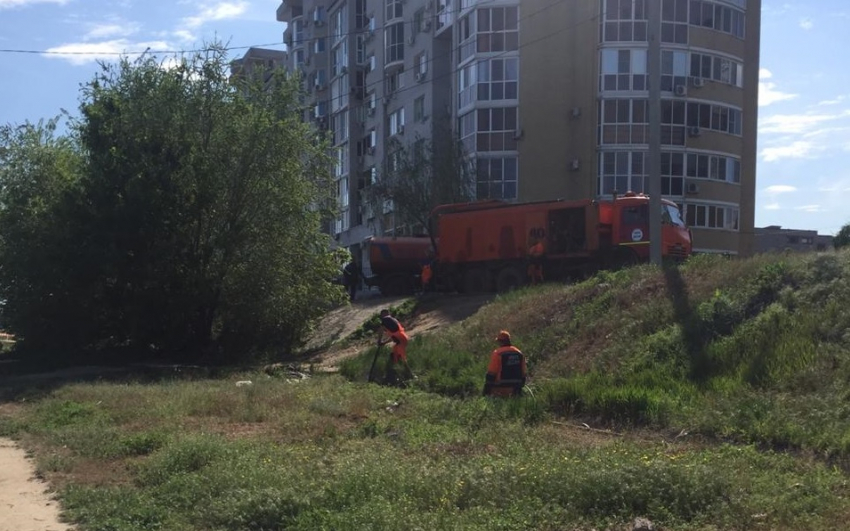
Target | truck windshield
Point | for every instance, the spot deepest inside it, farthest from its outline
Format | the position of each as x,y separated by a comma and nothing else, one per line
671,214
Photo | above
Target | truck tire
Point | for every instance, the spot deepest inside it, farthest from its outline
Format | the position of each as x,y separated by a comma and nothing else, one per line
623,258
510,278
477,281
396,285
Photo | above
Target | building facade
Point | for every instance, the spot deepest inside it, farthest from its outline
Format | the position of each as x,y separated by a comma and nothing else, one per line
549,97
258,64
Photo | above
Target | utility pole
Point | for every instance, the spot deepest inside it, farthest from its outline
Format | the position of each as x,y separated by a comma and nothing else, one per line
653,68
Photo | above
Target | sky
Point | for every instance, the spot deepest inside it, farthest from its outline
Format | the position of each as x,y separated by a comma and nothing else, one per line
803,169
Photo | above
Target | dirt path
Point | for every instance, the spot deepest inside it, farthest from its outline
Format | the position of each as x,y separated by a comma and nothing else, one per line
25,504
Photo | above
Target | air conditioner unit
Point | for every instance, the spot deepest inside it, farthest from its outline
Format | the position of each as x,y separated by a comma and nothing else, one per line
370,150
370,111
680,90
692,188
387,99
320,86
426,25
575,165
420,76
401,129
411,39
698,82
694,131
576,112
307,60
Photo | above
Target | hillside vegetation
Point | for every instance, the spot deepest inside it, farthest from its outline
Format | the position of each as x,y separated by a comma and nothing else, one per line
709,396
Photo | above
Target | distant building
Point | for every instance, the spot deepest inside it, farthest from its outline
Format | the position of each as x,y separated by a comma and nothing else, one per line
776,239
258,63
550,99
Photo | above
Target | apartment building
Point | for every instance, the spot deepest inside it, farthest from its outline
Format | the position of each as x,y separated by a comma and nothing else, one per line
550,98
258,64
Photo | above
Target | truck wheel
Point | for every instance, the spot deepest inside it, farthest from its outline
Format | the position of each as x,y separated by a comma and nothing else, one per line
623,258
476,281
394,286
510,278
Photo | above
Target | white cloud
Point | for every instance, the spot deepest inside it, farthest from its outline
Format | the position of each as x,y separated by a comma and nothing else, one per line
9,4
764,73
834,101
772,206
768,94
796,123
807,23
780,189
809,208
184,35
795,150
88,52
220,11
105,31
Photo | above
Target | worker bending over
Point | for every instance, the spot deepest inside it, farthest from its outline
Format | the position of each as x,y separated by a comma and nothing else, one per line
507,371
395,332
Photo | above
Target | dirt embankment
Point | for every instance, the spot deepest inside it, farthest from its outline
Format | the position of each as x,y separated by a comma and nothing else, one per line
432,312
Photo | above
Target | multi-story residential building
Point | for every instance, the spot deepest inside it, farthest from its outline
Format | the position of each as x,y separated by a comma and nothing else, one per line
774,238
550,97
258,64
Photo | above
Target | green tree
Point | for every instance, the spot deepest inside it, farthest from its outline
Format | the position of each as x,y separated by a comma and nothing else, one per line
419,176
842,239
194,221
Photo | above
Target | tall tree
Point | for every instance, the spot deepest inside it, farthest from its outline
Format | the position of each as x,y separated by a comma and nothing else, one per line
419,176
196,221
842,239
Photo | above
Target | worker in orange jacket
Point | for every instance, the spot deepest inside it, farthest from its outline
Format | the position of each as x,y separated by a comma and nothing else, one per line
394,331
507,371
535,262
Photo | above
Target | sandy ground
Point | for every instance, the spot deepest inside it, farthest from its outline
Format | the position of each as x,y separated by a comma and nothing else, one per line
25,504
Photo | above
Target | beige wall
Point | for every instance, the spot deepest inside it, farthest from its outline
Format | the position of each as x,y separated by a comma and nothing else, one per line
559,58
558,73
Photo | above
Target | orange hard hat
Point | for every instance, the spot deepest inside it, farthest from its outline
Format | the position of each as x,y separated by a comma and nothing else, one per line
504,335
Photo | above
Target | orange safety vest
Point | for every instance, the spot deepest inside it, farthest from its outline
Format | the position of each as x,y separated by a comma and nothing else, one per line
507,367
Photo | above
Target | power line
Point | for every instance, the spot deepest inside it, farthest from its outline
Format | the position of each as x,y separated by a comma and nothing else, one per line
359,31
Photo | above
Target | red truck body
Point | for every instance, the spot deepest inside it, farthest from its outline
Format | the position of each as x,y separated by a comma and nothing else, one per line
483,246
396,262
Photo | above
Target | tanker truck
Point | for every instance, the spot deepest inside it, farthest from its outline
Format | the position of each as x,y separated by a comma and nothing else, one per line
484,245
394,263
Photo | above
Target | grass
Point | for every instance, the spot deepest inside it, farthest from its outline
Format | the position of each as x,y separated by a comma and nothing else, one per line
711,396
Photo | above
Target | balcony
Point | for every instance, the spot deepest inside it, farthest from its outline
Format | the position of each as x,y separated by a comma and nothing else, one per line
289,9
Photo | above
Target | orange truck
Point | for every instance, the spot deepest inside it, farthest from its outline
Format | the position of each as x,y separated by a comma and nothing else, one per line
487,245
395,263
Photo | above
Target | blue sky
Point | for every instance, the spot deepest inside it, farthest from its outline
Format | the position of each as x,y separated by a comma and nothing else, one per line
803,178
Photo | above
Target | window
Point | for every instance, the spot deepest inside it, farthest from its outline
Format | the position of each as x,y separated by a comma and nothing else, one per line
361,50
708,14
360,18
319,45
418,18
714,117
419,109
496,129
624,21
673,122
623,121
623,70
674,70
339,59
395,9
396,122
622,171
341,162
420,63
394,42
674,21
672,173
497,29
340,127
339,92
717,167
497,79
339,23
712,216
718,69
370,63
496,178
393,81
